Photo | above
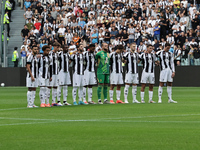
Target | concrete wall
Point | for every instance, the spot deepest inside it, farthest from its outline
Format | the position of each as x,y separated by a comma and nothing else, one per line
185,76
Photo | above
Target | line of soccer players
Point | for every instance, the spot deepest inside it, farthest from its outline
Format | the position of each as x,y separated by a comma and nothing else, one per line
51,71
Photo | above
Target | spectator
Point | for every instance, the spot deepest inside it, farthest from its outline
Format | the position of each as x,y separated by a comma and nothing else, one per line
94,37
15,57
23,56
157,32
24,32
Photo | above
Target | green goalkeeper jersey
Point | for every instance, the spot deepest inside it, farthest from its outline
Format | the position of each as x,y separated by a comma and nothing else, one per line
102,58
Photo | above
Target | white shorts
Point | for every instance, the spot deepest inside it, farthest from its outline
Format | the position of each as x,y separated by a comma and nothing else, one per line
30,83
78,80
54,81
148,78
64,78
116,78
43,81
89,78
166,75
132,78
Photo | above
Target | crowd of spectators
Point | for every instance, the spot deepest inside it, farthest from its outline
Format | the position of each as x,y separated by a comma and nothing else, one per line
115,22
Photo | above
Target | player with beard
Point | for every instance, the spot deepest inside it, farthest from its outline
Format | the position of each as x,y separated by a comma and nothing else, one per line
78,74
148,76
53,55
103,73
64,74
32,77
45,76
131,77
167,72
89,73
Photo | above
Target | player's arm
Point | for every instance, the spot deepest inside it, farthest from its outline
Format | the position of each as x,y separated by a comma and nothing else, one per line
172,66
50,68
97,56
28,64
125,58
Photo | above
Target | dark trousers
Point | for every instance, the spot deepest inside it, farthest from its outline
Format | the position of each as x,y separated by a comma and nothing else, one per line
16,63
8,29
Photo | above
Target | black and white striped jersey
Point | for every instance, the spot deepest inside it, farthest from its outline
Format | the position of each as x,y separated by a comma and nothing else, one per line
63,59
33,61
45,70
148,61
131,62
78,65
54,60
166,60
116,62
89,59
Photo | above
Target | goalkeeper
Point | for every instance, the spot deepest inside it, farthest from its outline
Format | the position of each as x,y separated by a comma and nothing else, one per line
103,73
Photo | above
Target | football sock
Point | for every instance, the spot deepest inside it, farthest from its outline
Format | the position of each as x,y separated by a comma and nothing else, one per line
105,92
99,91
65,93
42,94
111,94
54,95
33,97
29,97
142,96
84,94
126,92
118,94
160,90
48,92
134,92
89,94
74,93
169,91
59,93
150,95
80,93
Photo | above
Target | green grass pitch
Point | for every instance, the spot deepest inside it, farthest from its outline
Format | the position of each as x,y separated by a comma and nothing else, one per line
101,127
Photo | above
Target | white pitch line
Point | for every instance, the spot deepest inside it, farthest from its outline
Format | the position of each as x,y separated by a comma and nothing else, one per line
13,108
122,121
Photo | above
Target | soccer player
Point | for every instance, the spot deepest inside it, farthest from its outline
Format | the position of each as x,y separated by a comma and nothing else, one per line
64,74
103,73
45,76
89,73
167,72
148,59
78,74
32,76
53,55
131,77
116,78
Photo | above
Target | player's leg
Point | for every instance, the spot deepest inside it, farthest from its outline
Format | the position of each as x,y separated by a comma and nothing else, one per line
59,88
163,79
29,97
80,91
84,94
113,82
65,88
160,91
127,85
90,101
33,97
76,84
47,96
169,92
134,87
142,92
118,90
151,93
42,95
100,78
118,93
105,88
74,91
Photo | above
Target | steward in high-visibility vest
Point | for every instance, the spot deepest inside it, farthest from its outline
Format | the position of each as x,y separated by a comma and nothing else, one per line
8,7
7,22
15,57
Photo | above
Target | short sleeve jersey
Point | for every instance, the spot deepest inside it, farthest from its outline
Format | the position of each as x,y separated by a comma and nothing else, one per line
103,59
